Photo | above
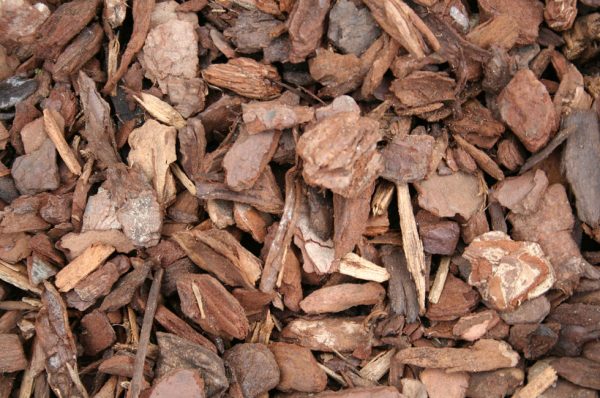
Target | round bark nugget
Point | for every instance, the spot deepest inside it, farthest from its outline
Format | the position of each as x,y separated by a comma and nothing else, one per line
299,368
253,368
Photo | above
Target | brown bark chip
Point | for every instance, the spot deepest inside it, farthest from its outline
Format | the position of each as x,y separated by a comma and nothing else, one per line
299,369
526,107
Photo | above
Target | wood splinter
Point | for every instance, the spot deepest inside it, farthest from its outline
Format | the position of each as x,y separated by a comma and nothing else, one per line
413,247
140,357
538,384
440,280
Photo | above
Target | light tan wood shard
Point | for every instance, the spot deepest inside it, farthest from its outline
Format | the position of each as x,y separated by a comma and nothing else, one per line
484,355
413,247
152,151
538,384
357,267
440,280
160,110
404,25
382,198
56,135
15,278
183,178
82,266
378,366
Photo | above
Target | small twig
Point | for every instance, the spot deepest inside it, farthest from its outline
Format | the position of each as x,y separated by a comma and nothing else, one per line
300,91
77,381
57,136
198,300
440,280
333,375
411,242
140,357
133,326
542,154
183,178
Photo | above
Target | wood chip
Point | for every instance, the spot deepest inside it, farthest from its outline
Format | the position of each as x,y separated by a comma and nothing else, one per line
57,136
413,248
82,266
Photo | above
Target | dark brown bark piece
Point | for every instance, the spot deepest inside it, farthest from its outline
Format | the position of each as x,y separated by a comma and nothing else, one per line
55,336
81,50
184,383
531,311
534,340
57,209
264,195
253,368
122,365
13,356
178,353
173,324
218,252
580,371
350,216
14,247
402,291
581,164
205,301
495,383
14,90
510,154
579,314
299,369
98,333
97,284
63,25
252,31
166,252
122,294
305,26
192,147
439,236
141,11
99,128
407,159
